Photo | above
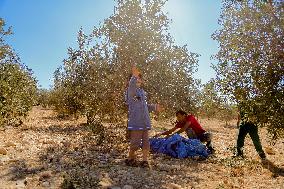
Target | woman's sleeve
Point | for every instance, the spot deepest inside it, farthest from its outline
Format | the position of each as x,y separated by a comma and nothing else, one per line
152,107
132,86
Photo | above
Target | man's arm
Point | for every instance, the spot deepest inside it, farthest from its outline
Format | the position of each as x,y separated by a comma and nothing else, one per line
186,126
168,132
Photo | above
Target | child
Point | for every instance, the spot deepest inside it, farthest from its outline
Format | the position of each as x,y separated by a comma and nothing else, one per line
138,119
187,123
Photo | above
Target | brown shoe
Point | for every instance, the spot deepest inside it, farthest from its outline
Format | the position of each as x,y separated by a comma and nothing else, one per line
145,164
131,163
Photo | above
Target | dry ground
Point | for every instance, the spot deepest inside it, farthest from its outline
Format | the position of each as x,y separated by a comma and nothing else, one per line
47,152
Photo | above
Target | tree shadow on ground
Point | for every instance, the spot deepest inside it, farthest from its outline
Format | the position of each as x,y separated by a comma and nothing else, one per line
67,129
20,170
58,118
229,126
275,170
86,163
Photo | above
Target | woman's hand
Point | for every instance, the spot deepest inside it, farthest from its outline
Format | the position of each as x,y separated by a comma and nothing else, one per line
157,135
135,72
169,135
160,108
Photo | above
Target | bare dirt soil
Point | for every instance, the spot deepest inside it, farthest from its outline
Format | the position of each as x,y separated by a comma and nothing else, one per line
48,152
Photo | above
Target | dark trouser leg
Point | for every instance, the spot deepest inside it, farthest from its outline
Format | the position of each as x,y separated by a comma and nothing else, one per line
253,132
209,145
241,138
190,134
206,137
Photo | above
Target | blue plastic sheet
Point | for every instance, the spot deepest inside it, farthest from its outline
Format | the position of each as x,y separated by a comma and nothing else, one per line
179,147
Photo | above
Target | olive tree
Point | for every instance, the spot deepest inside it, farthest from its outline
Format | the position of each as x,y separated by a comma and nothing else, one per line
17,84
95,74
251,59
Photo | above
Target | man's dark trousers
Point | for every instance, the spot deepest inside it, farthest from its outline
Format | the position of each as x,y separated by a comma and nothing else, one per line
252,130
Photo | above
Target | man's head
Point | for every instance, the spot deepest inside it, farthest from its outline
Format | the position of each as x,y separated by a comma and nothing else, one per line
181,115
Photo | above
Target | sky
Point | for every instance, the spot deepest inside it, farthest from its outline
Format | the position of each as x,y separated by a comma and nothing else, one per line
43,30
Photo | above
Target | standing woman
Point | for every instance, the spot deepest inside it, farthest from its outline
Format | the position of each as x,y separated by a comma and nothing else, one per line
139,122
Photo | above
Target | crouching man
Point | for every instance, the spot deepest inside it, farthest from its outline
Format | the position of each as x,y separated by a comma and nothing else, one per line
187,123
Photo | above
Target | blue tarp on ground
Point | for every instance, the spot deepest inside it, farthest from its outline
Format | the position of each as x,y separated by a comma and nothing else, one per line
178,147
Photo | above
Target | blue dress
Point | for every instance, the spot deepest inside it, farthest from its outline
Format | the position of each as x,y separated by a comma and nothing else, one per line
138,109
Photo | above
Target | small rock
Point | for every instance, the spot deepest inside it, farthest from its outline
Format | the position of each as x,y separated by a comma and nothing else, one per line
114,187
30,180
127,187
24,127
3,151
12,160
174,186
45,184
20,184
196,157
164,167
45,175
66,144
116,179
48,141
10,144
105,183
269,151
67,183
